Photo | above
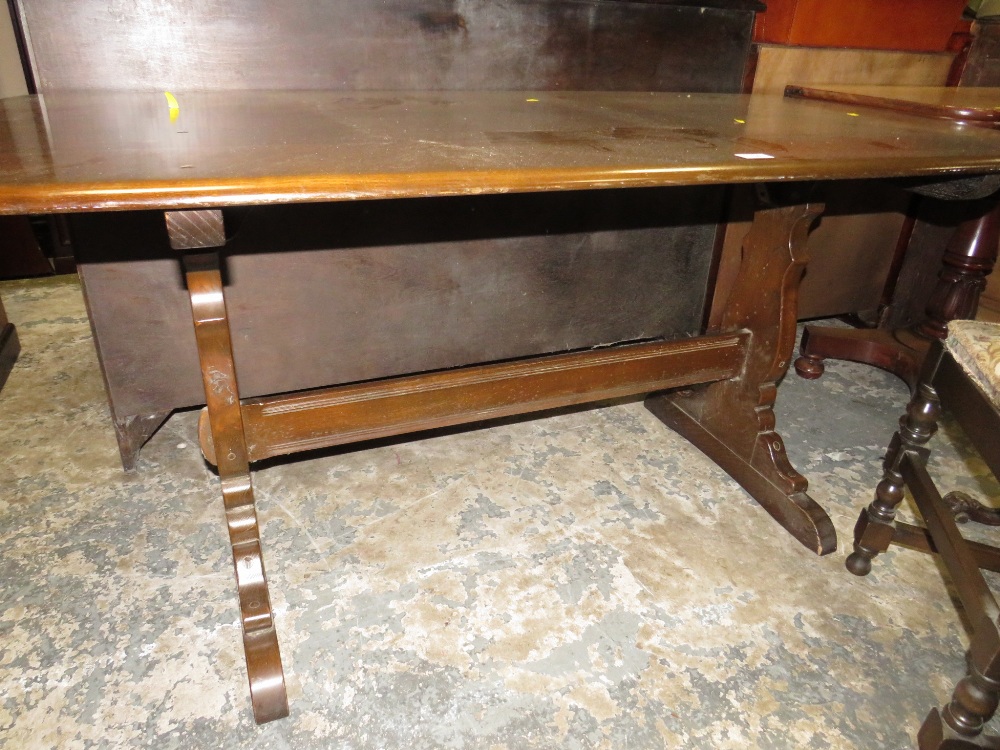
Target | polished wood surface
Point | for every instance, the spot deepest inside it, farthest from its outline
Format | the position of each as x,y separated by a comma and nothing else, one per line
139,308
979,105
112,151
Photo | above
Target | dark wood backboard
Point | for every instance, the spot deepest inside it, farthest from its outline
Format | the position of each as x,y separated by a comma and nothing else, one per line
364,291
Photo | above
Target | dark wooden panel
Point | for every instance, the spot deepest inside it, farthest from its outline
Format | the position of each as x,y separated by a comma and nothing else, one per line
526,282
10,347
391,45
20,254
375,289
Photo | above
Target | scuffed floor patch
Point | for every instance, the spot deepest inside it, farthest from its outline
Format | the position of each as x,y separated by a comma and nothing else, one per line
582,580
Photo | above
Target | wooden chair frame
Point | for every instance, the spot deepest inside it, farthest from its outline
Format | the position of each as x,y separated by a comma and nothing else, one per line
960,723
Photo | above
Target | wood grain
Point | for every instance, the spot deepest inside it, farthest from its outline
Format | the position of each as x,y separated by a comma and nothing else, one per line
286,424
260,638
112,151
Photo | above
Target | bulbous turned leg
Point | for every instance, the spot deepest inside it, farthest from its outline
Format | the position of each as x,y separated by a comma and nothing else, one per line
973,703
976,696
809,366
968,260
874,529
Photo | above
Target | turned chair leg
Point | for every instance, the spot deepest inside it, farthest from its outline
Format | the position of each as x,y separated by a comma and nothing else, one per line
974,701
874,529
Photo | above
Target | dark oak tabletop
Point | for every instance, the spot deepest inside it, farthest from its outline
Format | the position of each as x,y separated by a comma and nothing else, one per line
976,105
112,150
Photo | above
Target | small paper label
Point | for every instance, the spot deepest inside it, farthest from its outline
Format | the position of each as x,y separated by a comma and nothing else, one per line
754,156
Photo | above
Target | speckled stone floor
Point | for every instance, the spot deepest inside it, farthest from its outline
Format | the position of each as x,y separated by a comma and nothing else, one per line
582,580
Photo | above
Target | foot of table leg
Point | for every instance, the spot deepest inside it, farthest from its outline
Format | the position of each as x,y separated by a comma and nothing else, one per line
968,259
768,477
260,639
733,421
810,366
133,432
10,347
902,356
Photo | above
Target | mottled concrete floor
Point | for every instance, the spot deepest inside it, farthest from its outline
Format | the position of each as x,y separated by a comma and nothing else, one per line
583,580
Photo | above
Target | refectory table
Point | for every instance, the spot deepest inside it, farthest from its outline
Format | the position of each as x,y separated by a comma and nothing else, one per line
196,157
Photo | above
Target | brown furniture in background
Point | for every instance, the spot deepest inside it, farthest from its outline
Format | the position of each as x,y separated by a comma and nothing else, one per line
851,249
488,251
982,68
989,301
20,254
969,254
915,25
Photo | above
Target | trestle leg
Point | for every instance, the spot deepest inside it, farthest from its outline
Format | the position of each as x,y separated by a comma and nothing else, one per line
198,229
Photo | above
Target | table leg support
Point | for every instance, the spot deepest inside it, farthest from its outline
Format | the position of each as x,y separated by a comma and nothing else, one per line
733,421
260,640
10,347
969,258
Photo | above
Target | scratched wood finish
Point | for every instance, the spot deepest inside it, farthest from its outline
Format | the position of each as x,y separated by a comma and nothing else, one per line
114,151
260,639
286,424
328,145
733,420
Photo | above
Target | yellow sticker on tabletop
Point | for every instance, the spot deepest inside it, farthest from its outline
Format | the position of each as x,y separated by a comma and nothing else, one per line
172,105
